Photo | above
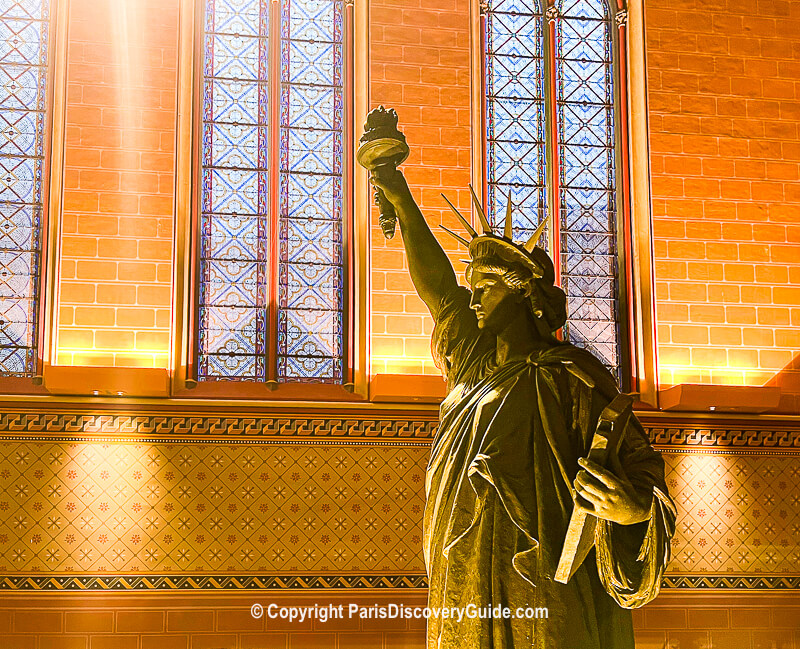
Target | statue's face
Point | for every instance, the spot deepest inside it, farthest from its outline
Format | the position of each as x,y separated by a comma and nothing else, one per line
494,302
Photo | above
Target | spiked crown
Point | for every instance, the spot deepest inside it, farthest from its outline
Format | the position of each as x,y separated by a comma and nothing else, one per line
487,245
547,301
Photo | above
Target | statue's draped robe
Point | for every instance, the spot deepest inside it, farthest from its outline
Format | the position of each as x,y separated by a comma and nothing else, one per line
499,497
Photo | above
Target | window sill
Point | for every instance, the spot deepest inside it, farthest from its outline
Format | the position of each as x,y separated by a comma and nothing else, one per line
106,381
21,385
407,388
720,398
249,390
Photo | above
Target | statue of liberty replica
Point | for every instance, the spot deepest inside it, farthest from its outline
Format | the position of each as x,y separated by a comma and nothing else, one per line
542,487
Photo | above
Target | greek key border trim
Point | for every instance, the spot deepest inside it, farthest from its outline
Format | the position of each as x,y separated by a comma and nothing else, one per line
734,439
211,426
739,582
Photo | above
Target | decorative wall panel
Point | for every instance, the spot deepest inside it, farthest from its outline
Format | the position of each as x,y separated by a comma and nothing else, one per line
737,513
130,507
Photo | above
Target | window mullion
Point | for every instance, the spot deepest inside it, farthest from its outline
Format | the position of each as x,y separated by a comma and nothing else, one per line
273,261
626,291
554,153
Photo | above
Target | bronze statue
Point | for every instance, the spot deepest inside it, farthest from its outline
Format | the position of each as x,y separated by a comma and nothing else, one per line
509,463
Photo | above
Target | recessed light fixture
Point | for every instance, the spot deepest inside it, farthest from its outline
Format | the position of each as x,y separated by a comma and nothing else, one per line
96,392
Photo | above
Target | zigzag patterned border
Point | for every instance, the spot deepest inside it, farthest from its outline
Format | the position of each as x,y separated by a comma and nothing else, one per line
367,427
739,582
336,583
214,582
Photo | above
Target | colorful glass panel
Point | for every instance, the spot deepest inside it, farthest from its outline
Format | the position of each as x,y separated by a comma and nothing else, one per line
515,124
234,221
311,270
240,164
24,38
588,219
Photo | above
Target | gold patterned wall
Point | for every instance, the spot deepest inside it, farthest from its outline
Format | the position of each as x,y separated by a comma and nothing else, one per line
284,498
736,513
131,507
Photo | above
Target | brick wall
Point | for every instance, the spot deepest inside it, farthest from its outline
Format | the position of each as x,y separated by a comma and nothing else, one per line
419,52
116,246
736,621
676,620
724,92
198,621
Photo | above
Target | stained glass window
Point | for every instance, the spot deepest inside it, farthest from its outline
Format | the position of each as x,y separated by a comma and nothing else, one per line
271,264
24,35
515,125
551,144
586,143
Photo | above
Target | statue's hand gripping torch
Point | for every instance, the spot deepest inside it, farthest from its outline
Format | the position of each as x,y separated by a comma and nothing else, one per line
382,145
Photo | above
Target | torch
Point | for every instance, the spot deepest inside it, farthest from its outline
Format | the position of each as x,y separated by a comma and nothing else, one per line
382,145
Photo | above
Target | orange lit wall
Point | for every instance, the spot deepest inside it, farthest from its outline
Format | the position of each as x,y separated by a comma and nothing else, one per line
725,155
724,159
116,243
206,621
419,55
724,92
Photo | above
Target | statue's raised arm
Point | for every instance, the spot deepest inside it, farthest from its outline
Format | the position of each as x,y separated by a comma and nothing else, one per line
383,148
430,269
